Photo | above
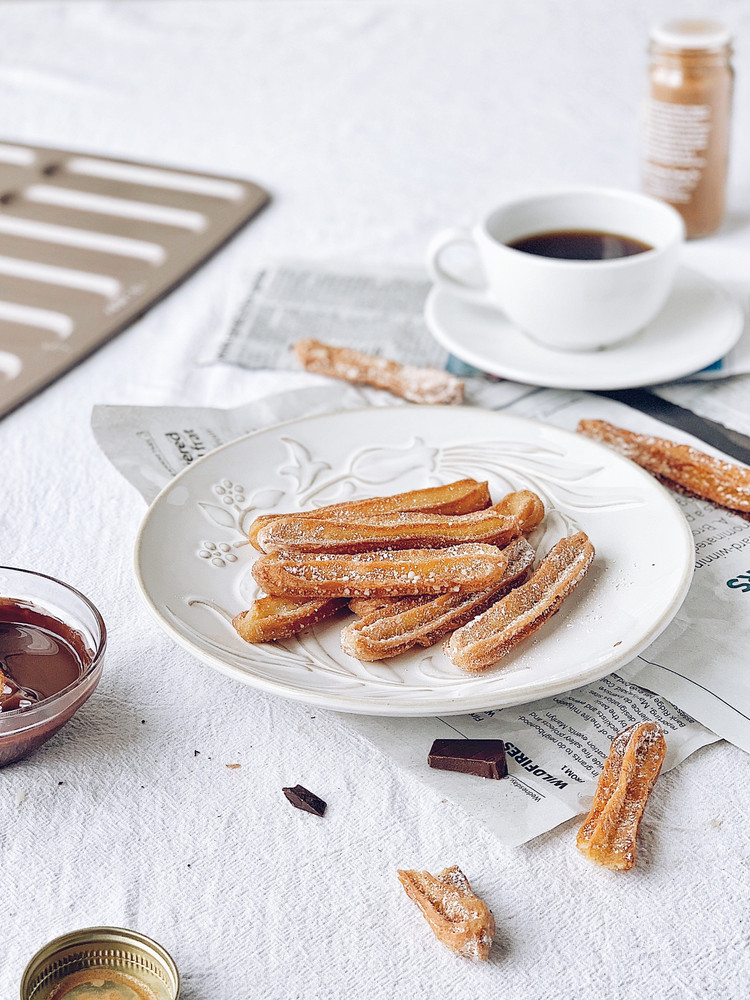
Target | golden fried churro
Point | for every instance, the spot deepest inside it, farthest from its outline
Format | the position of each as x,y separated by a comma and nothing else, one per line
390,631
271,618
514,617
459,568
418,385
609,832
401,530
461,497
679,466
456,915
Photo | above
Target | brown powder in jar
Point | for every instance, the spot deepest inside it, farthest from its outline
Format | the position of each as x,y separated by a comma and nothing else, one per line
687,121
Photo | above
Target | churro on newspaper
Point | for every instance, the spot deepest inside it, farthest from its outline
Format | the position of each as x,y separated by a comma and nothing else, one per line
461,497
679,466
457,916
514,617
271,618
390,572
391,630
609,832
415,384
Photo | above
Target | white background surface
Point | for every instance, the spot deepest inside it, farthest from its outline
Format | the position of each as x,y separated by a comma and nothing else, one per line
373,124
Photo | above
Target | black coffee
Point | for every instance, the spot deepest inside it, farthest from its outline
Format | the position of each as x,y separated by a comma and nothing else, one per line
580,244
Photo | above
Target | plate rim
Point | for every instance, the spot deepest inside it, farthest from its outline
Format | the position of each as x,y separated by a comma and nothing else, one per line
383,708
515,374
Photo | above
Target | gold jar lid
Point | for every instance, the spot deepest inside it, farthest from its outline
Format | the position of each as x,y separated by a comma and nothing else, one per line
101,963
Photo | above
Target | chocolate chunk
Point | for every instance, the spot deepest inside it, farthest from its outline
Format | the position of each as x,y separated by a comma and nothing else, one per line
485,758
303,798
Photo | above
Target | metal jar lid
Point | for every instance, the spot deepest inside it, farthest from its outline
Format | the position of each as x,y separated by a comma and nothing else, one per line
137,967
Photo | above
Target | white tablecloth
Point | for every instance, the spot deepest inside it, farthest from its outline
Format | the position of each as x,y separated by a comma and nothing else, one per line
373,124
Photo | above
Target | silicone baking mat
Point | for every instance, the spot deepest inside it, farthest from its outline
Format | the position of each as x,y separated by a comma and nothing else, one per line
89,243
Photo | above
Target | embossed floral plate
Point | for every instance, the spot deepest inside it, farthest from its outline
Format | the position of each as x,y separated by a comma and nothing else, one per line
193,562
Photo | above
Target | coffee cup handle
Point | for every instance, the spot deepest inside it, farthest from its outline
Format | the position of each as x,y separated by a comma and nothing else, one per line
476,294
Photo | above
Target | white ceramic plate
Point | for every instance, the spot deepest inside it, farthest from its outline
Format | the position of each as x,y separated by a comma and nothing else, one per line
699,324
193,561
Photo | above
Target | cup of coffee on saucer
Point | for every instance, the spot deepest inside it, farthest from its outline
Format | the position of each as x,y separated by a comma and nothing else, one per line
579,269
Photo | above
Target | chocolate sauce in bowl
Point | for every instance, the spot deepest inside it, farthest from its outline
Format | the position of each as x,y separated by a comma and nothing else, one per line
39,655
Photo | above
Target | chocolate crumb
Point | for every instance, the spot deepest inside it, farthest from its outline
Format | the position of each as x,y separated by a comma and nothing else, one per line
303,798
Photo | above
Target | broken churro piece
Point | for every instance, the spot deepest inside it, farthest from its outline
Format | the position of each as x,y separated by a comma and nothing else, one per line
271,618
390,631
459,569
679,466
461,497
514,617
609,832
457,917
418,385
402,530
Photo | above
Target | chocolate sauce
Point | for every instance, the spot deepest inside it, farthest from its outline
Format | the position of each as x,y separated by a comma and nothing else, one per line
580,244
39,655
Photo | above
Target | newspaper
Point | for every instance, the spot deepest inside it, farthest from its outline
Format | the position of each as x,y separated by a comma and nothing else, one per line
377,310
555,746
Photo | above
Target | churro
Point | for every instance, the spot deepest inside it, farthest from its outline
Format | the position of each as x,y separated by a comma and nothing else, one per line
678,466
271,618
460,497
457,916
609,832
402,572
514,617
402,530
416,384
389,631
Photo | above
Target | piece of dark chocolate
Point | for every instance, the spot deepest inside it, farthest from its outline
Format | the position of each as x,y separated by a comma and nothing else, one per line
303,798
485,758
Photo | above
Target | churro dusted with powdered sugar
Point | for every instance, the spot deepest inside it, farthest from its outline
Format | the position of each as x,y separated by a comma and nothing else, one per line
410,382
609,832
494,633
679,466
457,569
457,916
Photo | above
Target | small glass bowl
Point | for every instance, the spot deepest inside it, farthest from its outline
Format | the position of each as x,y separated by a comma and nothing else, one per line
22,730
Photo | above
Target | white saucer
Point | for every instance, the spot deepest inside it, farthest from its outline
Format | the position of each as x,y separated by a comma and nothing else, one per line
697,326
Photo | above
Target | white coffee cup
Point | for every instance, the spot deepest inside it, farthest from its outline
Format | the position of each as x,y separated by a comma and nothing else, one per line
573,305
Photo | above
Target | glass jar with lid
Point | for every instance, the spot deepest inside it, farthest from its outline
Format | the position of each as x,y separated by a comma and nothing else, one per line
687,120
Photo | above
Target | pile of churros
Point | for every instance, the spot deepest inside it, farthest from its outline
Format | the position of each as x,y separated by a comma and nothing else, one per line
415,568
